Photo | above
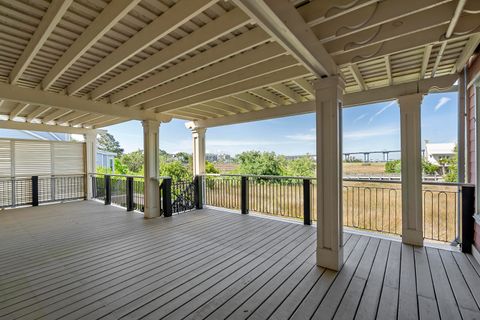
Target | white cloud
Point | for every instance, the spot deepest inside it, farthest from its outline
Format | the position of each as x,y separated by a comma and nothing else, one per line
379,112
301,137
441,103
360,117
369,133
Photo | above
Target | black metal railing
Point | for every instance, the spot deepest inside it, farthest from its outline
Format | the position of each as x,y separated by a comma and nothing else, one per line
177,196
35,190
368,205
122,190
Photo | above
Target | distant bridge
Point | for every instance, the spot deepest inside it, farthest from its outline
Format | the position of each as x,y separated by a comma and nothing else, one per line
348,156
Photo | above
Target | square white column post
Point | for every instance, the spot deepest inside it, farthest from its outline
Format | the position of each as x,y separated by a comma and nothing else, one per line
329,95
411,158
90,160
198,148
151,168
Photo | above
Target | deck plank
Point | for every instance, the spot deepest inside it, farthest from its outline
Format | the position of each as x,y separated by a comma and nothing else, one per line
84,260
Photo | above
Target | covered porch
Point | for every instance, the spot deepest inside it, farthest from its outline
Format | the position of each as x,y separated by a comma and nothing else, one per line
85,260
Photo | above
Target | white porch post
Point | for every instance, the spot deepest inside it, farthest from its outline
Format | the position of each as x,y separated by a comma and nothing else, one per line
329,95
151,168
90,159
411,158
198,140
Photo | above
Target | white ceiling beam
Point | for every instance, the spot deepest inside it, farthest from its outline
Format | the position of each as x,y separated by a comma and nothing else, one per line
305,85
167,22
318,11
265,94
55,115
438,59
241,104
357,76
350,100
106,123
231,47
388,68
250,98
265,114
56,10
218,112
366,15
467,52
250,72
85,119
37,113
283,22
219,27
109,16
425,60
55,100
287,92
202,112
223,106
455,18
16,125
411,41
71,116
224,68
19,108
287,74
438,16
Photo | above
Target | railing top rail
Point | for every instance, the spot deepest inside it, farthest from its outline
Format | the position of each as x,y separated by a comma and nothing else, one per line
125,175
345,179
256,176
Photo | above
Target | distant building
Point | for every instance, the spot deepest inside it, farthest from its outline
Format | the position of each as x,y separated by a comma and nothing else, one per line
105,159
436,152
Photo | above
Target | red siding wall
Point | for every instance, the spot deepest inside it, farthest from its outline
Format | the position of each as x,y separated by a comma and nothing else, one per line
472,71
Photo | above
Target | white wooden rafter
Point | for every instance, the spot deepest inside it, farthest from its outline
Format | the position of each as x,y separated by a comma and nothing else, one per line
49,21
171,19
200,37
283,22
109,16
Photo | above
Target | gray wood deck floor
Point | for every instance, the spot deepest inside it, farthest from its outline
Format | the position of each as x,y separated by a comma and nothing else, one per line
90,261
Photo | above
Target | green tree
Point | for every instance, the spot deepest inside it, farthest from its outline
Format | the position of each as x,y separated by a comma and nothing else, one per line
393,166
176,170
429,168
210,168
107,142
300,167
183,157
452,168
133,161
120,168
259,163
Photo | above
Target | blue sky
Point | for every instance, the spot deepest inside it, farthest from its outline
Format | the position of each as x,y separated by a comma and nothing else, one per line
371,127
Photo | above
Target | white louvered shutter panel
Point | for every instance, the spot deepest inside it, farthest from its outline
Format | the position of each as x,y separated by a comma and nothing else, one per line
68,158
33,158
5,158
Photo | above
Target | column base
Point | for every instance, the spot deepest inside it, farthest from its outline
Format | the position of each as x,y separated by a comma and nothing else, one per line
330,259
412,237
151,213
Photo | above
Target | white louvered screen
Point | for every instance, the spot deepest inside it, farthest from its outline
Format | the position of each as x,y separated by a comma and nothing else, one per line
5,158
68,158
33,158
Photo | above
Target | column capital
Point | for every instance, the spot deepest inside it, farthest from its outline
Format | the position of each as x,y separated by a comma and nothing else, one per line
329,88
199,130
329,82
410,99
147,124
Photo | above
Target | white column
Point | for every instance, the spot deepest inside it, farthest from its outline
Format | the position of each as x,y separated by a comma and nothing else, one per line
151,168
329,95
90,159
411,156
198,148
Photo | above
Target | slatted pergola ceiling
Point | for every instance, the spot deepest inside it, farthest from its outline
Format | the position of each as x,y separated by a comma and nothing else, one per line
93,63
